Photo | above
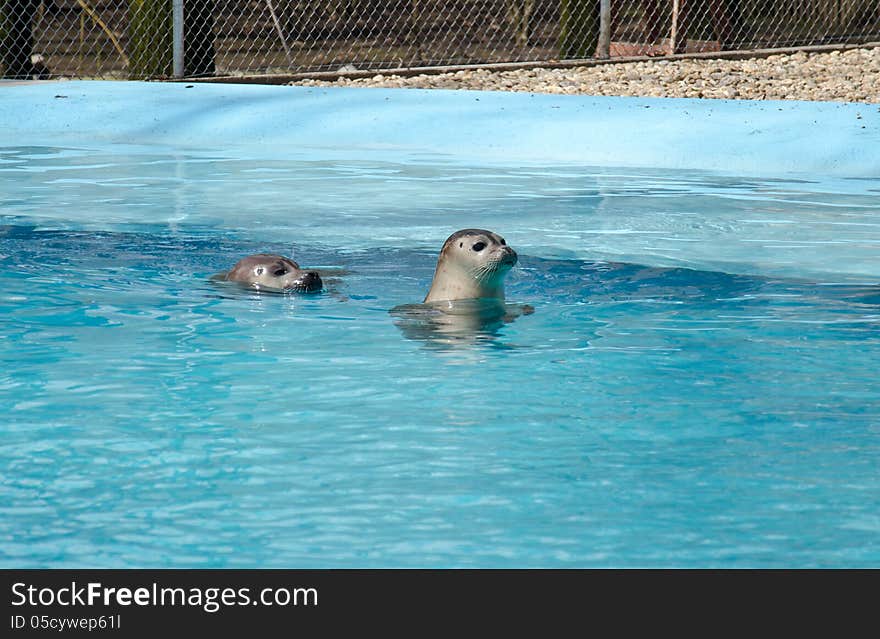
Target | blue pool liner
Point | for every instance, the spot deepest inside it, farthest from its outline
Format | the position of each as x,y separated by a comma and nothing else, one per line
737,136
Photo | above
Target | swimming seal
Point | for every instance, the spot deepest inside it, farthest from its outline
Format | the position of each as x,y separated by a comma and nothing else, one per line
276,273
472,265
465,304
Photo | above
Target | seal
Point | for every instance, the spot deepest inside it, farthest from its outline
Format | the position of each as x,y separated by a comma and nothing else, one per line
276,273
472,265
465,304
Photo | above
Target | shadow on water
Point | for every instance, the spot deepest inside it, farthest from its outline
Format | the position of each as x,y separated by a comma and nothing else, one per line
573,281
195,249
372,279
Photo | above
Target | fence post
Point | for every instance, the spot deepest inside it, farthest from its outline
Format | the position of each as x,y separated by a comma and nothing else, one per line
604,48
177,37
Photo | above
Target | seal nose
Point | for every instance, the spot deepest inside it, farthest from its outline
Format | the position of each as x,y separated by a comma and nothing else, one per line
312,281
307,282
509,256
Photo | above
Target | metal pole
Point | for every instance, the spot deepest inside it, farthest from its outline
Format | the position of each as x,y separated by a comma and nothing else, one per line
177,36
604,48
673,31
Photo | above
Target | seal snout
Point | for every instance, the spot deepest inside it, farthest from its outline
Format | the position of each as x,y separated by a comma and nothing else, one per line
310,281
508,256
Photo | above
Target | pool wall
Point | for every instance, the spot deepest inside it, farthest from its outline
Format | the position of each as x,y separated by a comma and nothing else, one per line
738,136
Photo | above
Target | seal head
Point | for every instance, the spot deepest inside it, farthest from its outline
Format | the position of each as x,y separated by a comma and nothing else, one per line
274,273
472,265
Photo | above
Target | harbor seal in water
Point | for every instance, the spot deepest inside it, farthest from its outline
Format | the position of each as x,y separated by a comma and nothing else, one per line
465,304
270,272
472,265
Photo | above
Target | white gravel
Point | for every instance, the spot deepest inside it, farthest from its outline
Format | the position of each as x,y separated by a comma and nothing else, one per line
847,76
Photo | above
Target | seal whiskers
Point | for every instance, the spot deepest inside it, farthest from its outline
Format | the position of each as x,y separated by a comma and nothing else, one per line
472,265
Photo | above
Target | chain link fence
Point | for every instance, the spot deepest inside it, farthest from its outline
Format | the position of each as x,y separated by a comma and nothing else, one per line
143,39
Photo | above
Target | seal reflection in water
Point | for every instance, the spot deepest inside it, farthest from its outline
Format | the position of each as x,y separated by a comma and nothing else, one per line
465,303
273,273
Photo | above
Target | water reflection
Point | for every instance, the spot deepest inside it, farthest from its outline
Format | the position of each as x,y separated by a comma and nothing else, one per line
459,323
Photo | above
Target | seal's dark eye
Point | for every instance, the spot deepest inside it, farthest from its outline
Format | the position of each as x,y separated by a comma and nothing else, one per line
479,246
503,243
258,270
279,272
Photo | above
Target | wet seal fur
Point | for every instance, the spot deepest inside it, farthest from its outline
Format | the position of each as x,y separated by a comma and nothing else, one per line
465,303
472,265
273,273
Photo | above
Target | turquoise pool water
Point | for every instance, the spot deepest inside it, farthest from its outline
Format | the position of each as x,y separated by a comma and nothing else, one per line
697,386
